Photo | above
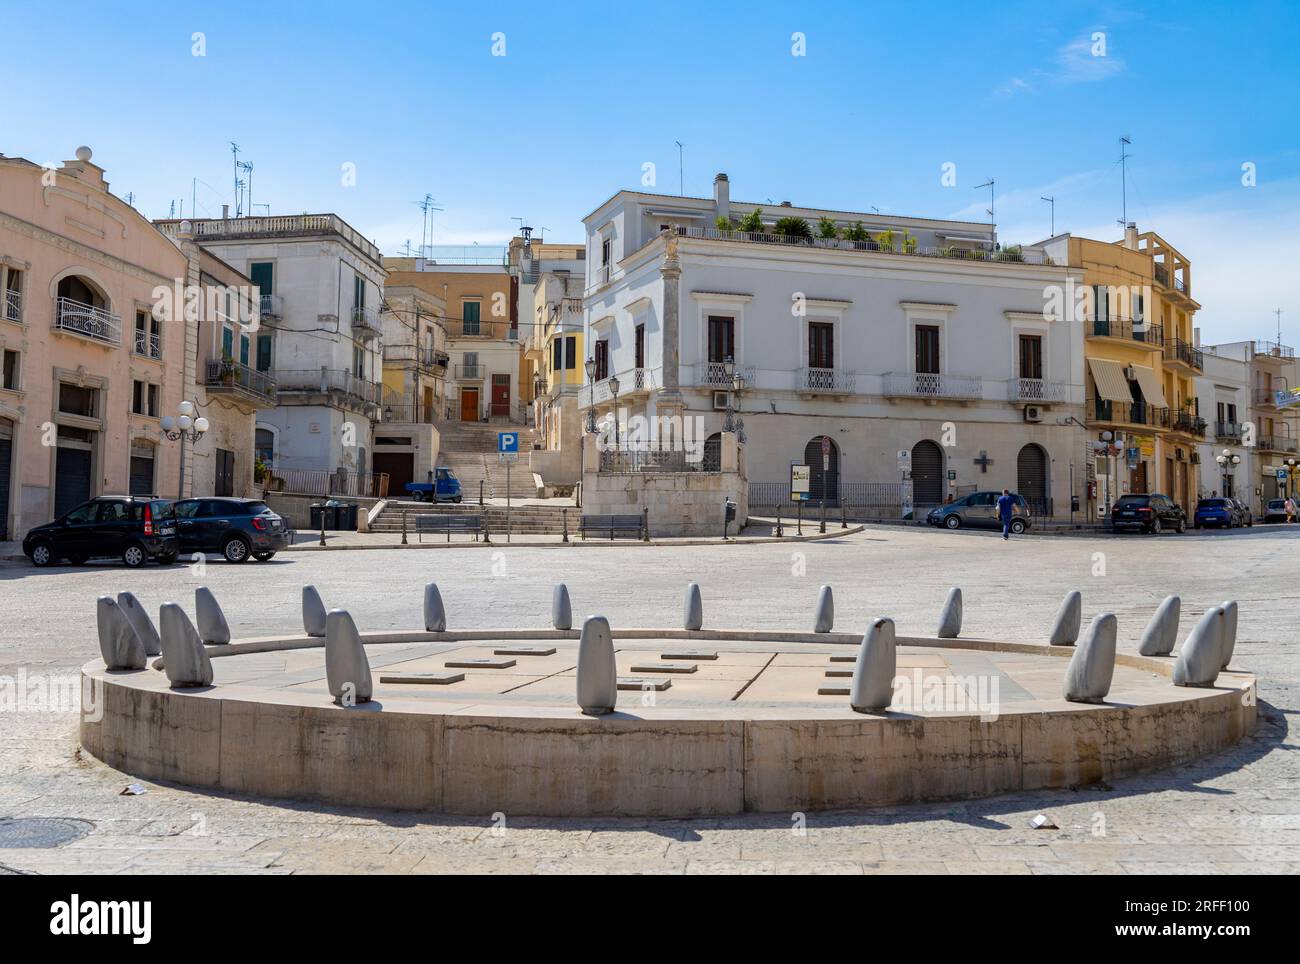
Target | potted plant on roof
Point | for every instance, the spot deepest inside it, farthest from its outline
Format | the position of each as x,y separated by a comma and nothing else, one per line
857,233
752,223
725,225
826,229
885,241
791,227
909,243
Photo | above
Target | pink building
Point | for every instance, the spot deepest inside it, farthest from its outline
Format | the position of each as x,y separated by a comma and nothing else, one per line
88,371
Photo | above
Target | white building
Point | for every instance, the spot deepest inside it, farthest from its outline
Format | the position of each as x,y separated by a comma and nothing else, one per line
1223,393
319,337
925,348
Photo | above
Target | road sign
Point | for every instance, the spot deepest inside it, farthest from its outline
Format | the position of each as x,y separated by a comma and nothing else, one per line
1281,475
507,441
509,458
826,445
800,482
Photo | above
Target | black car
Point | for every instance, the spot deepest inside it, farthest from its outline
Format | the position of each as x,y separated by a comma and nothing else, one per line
134,528
236,528
1147,512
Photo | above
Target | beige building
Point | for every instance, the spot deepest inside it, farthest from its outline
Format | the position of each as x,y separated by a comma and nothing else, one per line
89,369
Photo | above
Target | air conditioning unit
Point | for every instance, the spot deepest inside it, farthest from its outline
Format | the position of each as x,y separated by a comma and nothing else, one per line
1196,458
1130,373
1033,413
720,401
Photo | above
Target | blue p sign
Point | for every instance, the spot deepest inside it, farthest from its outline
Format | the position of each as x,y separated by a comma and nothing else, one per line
507,441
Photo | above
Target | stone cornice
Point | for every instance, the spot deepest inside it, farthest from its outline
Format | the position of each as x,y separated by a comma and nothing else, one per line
82,250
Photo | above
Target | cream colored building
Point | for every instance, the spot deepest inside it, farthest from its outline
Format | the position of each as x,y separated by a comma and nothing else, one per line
88,369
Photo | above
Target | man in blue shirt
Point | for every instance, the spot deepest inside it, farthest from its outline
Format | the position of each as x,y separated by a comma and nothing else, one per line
1006,509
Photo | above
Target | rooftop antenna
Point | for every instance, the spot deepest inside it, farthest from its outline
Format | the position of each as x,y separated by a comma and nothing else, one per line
1124,155
1052,202
130,198
234,154
1278,312
875,209
989,184
247,167
428,205
681,170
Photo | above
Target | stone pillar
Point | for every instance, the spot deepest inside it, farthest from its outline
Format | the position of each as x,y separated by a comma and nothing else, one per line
668,400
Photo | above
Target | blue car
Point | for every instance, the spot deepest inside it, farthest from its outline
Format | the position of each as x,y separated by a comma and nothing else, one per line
1221,513
443,487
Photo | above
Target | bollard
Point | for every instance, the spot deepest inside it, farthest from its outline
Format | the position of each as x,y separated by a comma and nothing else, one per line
564,518
185,660
693,609
119,644
140,622
872,688
823,525
347,670
1092,666
950,617
1162,632
645,524
313,612
1201,658
778,521
1065,630
403,527
322,525
487,536
213,628
1229,630
597,672
435,614
561,610
824,618
800,521
844,519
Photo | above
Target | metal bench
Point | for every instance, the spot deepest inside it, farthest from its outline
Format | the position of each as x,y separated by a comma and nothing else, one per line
448,523
632,525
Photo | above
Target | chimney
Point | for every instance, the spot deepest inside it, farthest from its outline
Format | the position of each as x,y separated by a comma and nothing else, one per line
1131,236
1196,337
722,195
225,212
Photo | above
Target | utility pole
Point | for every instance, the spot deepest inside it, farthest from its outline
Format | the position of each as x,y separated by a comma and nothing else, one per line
1052,202
681,170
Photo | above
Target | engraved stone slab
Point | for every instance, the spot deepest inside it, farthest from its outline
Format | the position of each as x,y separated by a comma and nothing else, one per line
641,683
525,651
486,662
690,654
432,679
833,689
666,668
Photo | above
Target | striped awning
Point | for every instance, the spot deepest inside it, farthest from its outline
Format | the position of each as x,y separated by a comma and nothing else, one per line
1149,381
1109,378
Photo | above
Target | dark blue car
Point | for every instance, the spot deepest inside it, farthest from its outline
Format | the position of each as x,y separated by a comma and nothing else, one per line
235,528
1221,513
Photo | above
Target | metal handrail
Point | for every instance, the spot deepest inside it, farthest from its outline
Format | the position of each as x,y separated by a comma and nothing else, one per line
1035,390
87,320
932,385
13,304
233,374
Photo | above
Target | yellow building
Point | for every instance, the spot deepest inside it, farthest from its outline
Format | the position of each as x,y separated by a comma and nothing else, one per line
1141,361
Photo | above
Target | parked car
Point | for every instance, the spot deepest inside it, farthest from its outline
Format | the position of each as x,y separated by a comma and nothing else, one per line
1275,510
235,528
1220,513
1147,512
1243,510
980,510
444,487
134,528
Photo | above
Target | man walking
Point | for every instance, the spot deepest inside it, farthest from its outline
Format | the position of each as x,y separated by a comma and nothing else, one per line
1006,509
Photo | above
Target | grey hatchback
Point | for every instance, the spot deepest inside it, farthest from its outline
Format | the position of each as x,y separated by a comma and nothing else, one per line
979,509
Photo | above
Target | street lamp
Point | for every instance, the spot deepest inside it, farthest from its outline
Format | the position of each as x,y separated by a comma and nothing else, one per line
590,366
185,428
729,379
1227,462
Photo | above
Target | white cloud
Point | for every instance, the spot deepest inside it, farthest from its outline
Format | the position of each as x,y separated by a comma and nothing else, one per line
1083,61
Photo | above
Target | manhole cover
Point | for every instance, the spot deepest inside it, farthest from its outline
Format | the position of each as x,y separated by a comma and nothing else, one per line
41,832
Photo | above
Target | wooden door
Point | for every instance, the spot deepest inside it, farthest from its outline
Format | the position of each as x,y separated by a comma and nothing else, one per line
469,404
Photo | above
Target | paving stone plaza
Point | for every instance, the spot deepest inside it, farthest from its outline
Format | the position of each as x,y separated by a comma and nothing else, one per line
1235,811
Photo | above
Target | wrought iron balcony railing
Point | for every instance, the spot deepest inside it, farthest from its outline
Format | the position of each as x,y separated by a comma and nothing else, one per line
13,305
234,376
830,381
1177,350
1035,390
932,385
148,344
87,321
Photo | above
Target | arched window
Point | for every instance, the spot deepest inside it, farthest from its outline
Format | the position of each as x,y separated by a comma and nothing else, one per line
824,474
927,473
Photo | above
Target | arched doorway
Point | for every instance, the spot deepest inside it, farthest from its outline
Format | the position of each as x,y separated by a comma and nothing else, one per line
1032,478
6,467
927,473
824,482
712,453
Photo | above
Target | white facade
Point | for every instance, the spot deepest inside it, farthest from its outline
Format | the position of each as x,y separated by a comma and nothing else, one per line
1223,394
322,319
881,352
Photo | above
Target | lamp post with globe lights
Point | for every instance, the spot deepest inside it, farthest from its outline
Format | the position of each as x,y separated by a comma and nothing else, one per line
1227,462
185,428
590,366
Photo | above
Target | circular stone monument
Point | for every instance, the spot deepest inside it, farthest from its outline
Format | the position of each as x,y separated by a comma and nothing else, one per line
707,722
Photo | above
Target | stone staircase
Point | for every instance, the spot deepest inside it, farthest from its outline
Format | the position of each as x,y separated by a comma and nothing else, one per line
524,519
470,450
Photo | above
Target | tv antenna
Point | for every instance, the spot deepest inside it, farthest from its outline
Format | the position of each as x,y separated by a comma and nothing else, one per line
234,155
681,170
247,168
428,205
1124,143
989,184
1278,312
1052,202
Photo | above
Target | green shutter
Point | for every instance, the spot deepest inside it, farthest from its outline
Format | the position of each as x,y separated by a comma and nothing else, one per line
263,353
260,274
227,343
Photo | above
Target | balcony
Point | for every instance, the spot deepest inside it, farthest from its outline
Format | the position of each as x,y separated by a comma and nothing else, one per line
365,322
1100,410
714,374
825,381
1273,349
1037,390
326,381
1263,397
1188,422
1179,352
13,305
271,307
1276,443
409,356
1152,336
934,385
148,344
469,328
469,373
87,321
279,226
1229,432
1162,279
231,376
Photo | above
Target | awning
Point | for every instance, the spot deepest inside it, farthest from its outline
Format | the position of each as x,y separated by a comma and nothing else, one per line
1149,381
1109,378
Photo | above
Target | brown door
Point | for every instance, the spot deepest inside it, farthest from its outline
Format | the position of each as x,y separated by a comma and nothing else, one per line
501,396
400,467
469,404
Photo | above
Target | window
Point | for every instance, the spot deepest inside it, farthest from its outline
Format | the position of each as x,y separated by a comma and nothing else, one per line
571,352
821,344
262,274
470,313
358,291
1101,302
263,353
10,372
640,346
144,400
1232,414
557,356
1031,356
927,349
227,342
602,359
722,338
358,361
84,513
264,444
243,350
75,400
606,251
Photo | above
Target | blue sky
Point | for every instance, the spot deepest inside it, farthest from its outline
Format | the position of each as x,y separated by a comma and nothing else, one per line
589,92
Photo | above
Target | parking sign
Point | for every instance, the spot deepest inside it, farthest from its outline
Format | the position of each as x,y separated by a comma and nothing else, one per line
507,441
